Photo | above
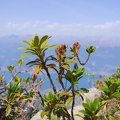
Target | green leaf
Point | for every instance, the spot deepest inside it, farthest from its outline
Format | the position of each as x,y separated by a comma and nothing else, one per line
66,67
42,114
46,47
83,90
89,74
22,48
15,87
78,115
10,68
116,94
106,101
88,102
43,41
50,95
53,116
87,107
51,65
76,83
90,49
68,101
69,61
31,50
111,118
31,43
20,62
105,89
84,112
36,40
8,110
26,42
71,49
80,71
64,113
69,76
54,44
34,62
77,93
99,108
95,104
60,105
17,78
113,87
25,55
4,99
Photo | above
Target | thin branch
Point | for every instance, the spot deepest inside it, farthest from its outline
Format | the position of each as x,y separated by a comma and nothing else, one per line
13,78
83,63
69,88
41,98
61,72
48,74
73,103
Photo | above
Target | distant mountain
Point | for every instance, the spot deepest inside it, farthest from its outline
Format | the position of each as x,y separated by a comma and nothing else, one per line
103,61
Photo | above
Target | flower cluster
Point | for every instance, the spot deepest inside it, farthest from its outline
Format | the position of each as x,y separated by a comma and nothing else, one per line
76,47
61,52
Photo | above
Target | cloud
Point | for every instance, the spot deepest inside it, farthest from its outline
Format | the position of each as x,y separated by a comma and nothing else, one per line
102,70
11,26
110,67
106,34
105,54
74,29
45,27
106,70
107,25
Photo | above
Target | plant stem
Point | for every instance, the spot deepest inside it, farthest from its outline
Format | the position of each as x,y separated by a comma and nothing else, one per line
48,74
60,80
69,88
41,98
13,77
61,72
73,102
83,62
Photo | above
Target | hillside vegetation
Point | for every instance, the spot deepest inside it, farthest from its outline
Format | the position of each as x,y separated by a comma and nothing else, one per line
21,97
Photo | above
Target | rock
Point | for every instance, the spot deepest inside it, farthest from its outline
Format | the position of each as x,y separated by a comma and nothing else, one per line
37,117
93,92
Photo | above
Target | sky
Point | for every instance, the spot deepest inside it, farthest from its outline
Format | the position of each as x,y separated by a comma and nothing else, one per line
60,17
85,20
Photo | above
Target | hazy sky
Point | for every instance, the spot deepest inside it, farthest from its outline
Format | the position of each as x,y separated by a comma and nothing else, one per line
60,17
88,20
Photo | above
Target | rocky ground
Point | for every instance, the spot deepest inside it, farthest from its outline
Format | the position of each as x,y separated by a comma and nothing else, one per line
93,92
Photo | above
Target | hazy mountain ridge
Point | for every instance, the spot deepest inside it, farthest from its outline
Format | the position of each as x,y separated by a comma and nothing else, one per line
103,61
